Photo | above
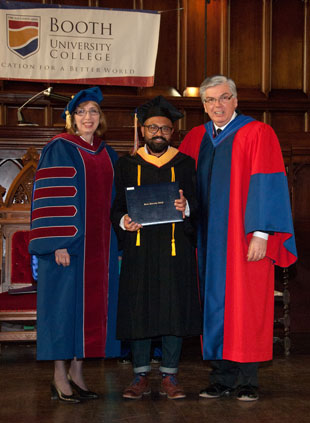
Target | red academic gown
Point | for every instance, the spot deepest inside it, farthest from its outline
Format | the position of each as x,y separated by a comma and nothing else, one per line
242,188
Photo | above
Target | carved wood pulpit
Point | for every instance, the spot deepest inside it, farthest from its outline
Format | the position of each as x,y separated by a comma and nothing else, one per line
15,263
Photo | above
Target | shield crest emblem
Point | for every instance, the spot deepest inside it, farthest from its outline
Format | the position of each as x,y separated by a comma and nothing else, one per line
23,34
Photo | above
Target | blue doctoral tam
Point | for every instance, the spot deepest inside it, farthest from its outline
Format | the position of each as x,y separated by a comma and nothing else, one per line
90,94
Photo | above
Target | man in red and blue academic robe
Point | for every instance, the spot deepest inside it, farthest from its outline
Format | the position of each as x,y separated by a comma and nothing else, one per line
245,227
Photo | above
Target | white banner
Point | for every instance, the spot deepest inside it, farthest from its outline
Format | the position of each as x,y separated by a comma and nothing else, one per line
51,43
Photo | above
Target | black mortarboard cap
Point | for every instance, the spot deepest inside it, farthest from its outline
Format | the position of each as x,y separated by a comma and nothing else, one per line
158,106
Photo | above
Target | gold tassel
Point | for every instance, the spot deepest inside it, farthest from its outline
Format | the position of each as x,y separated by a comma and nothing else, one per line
172,174
136,136
68,120
138,238
139,175
138,183
173,251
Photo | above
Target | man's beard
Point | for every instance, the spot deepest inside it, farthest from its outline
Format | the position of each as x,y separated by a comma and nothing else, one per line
157,147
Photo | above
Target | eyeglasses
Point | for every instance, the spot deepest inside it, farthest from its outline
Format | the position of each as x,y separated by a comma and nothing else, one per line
83,112
224,99
153,129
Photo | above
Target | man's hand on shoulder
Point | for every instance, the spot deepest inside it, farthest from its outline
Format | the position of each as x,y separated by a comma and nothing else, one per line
257,249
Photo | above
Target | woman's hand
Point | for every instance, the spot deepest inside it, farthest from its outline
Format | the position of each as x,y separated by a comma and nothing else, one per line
62,257
180,203
130,225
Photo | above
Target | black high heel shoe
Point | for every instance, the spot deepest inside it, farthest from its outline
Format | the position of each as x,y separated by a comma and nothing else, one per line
57,394
82,393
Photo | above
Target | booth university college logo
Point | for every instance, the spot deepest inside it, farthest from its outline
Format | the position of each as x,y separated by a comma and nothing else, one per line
23,35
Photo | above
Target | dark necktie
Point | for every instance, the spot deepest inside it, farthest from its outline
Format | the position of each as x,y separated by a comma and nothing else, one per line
218,131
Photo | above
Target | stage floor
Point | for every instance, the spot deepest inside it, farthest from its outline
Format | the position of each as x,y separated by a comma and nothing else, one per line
25,394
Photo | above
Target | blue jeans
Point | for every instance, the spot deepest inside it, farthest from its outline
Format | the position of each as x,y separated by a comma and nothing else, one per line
171,351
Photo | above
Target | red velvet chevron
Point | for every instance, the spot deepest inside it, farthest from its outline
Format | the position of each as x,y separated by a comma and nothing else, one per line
56,211
55,172
50,194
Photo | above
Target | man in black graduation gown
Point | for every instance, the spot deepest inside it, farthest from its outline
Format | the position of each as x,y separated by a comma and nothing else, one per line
158,293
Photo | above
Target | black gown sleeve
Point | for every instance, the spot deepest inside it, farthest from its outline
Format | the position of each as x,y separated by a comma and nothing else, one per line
188,184
119,206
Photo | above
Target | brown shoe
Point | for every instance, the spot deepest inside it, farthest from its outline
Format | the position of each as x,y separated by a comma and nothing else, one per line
138,387
171,388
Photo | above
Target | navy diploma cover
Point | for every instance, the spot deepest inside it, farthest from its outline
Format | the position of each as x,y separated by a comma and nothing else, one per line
154,203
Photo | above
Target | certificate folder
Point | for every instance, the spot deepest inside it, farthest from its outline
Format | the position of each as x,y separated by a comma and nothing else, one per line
153,204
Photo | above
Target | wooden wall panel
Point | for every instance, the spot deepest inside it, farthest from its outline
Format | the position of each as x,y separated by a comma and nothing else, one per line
122,119
21,86
39,1
194,117
56,118
301,193
255,114
216,51
83,3
287,44
245,47
306,58
288,121
195,45
167,64
119,4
